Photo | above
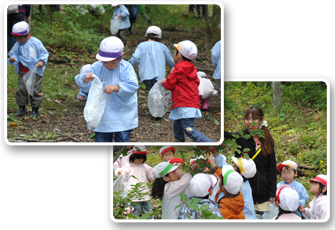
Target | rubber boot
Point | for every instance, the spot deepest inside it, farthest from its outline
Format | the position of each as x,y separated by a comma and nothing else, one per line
22,110
205,104
34,113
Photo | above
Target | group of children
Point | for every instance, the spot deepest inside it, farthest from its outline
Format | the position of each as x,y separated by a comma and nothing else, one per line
224,189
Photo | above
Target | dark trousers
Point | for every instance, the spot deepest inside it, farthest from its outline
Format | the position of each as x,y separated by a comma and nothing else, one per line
149,83
187,125
108,137
22,93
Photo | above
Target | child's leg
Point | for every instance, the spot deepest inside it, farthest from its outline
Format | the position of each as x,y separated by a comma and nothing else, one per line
123,136
188,125
146,17
103,137
178,131
146,206
218,86
137,208
122,35
205,104
21,92
37,97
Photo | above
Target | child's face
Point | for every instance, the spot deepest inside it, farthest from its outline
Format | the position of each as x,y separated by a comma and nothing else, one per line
138,161
315,188
168,155
179,171
173,176
177,57
21,40
288,174
112,65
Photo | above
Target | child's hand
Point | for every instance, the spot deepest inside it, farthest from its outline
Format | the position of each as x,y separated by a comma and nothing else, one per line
111,88
272,199
40,64
301,209
194,166
89,77
12,59
120,171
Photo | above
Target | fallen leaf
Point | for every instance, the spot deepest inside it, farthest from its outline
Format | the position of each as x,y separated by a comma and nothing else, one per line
218,113
12,124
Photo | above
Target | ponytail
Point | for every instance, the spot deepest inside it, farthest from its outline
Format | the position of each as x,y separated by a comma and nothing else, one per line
158,188
267,142
302,216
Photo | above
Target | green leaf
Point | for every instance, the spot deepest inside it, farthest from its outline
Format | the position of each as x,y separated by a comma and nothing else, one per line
179,205
193,206
282,116
246,150
92,136
183,197
204,207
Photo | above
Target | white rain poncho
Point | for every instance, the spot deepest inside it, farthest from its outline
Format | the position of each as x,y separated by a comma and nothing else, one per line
216,60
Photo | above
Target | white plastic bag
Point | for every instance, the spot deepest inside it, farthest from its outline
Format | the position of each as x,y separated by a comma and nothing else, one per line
206,88
96,103
273,212
159,100
115,25
29,80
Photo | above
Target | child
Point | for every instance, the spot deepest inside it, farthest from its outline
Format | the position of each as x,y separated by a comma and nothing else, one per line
287,202
183,83
141,11
121,12
219,158
28,52
168,185
318,206
216,60
120,115
123,160
288,171
201,186
247,169
229,195
206,90
136,167
167,153
152,56
82,96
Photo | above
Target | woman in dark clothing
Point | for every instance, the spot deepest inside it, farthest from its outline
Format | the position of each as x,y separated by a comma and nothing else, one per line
263,184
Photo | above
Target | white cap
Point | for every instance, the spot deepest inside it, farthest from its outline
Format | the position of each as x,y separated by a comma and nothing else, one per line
198,157
154,30
187,48
110,49
289,163
142,148
248,165
85,68
201,184
114,5
201,74
232,181
162,169
288,199
20,29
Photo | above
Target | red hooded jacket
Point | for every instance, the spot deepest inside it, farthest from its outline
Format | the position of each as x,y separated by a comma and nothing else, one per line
183,82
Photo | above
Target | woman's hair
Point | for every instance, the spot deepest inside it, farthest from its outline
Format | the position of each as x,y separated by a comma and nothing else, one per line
267,141
158,188
184,58
281,212
137,156
321,188
152,36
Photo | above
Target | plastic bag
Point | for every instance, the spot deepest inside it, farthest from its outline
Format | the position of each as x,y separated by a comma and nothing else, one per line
206,88
29,80
96,103
159,100
115,25
273,212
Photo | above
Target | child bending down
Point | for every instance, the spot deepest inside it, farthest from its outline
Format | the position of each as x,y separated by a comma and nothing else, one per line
318,206
170,182
142,172
183,83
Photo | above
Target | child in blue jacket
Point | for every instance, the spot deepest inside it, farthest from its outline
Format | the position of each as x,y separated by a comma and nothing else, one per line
27,53
152,56
121,12
120,115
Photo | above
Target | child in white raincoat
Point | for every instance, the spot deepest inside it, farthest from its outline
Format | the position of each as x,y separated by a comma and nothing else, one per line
120,115
136,167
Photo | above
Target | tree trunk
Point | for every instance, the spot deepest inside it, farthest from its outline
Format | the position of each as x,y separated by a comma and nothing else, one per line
276,97
206,18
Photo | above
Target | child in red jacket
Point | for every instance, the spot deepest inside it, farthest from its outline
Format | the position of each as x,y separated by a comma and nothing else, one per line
183,83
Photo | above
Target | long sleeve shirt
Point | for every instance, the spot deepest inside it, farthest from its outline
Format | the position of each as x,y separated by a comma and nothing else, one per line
317,208
216,59
152,56
121,112
29,54
125,23
171,196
